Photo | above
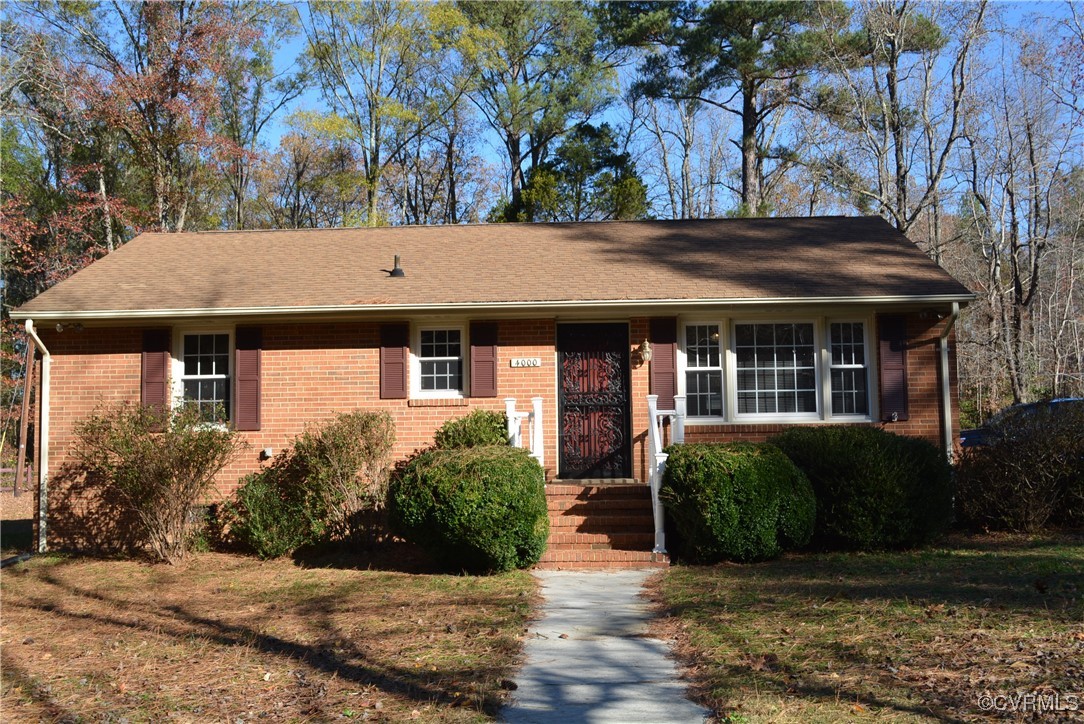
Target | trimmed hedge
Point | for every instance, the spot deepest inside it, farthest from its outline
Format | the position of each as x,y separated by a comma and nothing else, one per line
736,501
479,428
478,509
874,489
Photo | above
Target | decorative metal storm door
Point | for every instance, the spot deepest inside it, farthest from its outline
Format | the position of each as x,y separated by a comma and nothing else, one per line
593,389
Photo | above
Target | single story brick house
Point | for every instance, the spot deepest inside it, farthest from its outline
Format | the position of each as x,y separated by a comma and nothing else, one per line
756,323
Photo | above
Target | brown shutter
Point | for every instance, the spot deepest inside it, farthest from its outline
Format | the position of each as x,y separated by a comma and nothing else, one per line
394,360
663,366
154,385
483,359
246,395
892,331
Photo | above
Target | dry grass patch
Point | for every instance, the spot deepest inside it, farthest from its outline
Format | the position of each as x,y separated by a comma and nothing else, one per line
227,638
898,636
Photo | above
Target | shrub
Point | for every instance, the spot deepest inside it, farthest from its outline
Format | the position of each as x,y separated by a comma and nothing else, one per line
1031,474
874,489
476,509
329,486
267,518
158,466
736,501
479,428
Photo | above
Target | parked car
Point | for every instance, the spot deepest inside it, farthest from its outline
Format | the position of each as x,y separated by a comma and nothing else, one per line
995,427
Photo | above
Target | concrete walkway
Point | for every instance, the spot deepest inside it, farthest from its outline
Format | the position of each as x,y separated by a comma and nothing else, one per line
606,669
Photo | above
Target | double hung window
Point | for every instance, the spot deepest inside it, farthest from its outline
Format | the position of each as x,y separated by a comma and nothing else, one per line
850,378
205,374
704,370
440,359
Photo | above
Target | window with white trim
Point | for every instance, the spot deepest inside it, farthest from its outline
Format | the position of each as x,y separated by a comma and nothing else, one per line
205,374
755,370
440,359
849,370
776,368
703,370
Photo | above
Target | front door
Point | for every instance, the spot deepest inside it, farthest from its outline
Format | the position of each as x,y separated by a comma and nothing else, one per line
593,392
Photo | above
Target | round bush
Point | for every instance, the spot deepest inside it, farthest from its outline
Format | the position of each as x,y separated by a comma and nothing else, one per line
476,509
479,428
874,489
736,501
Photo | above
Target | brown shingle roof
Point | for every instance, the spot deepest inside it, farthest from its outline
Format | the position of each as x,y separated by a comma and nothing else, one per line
503,264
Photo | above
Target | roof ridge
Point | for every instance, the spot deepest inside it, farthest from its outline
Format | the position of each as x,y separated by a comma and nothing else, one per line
521,224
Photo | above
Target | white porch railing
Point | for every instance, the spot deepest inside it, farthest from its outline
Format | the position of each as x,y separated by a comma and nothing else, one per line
656,458
534,427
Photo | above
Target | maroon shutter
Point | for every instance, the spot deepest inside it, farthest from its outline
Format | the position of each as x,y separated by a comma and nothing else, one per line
154,387
246,395
394,360
892,331
483,359
663,337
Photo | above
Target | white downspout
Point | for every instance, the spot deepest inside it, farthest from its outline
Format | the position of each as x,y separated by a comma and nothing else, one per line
43,433
946,384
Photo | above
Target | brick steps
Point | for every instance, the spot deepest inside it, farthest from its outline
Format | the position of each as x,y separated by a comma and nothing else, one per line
599,524
588,559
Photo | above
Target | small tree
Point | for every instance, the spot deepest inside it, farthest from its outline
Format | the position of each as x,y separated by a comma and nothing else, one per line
157,465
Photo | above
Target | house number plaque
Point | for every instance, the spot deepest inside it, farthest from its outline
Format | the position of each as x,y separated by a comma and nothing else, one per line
526,361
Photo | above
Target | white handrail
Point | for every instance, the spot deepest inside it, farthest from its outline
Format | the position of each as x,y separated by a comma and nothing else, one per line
656,458
534,427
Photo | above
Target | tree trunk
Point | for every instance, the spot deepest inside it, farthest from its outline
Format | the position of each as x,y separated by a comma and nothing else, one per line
750,178
107,214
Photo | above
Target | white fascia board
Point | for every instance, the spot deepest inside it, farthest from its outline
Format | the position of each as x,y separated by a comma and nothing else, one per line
470,307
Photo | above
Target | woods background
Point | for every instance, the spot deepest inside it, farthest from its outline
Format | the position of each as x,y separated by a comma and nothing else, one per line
960,123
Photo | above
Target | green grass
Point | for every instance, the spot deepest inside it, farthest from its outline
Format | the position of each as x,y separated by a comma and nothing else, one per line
900,636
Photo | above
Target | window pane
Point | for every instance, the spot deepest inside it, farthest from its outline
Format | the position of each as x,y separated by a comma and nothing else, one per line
779,366
704,394
743,335
702,345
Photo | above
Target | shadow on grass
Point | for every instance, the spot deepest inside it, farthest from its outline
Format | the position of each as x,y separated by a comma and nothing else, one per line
16,678
902,604
1033,575
393,556
337,654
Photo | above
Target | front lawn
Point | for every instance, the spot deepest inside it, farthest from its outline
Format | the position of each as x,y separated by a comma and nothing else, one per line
899,636
227,638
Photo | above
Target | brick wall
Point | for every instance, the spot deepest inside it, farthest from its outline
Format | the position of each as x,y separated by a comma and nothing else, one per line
312,371
309,373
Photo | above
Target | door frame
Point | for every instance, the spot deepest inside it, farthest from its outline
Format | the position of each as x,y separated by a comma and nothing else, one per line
626,362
